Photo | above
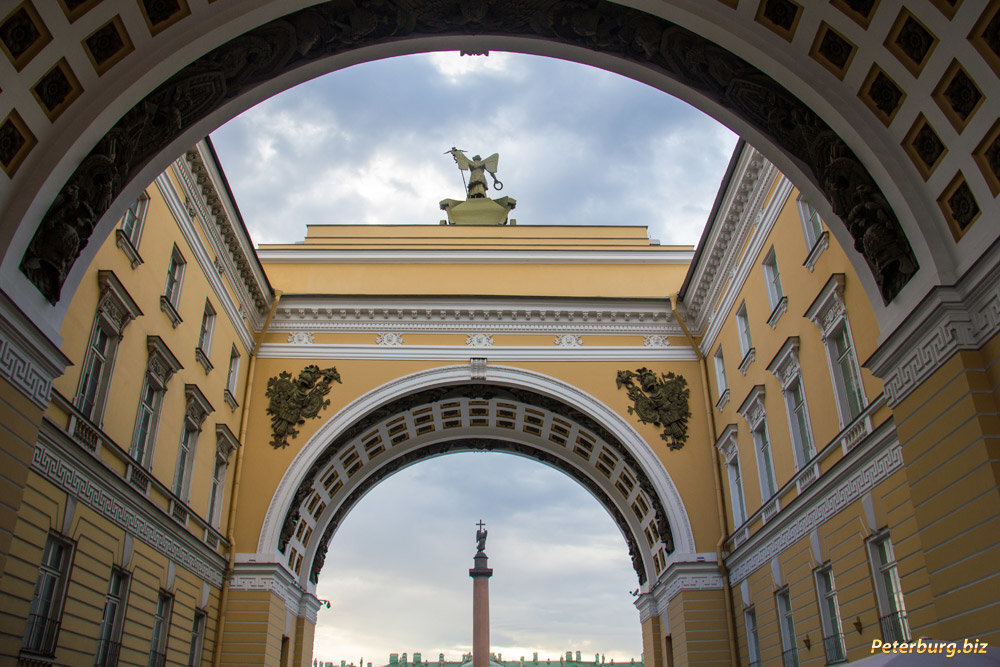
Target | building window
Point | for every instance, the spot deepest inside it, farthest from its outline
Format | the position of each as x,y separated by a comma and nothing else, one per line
798,416
829,614
161,625
789,655
128,234
161,364
753,642
765,464
846,374
232,378
736,490
812,226
109,635
204,348
743,330
45,612
772,280
720,377
96,375
215,493
888,591
185,456
197,639
171,297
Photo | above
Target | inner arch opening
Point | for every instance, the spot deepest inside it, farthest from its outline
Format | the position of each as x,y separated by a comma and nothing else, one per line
561,580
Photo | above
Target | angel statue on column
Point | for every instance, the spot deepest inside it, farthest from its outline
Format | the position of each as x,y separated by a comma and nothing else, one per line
477,168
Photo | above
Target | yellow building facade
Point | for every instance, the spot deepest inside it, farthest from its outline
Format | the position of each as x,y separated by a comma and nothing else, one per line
178,502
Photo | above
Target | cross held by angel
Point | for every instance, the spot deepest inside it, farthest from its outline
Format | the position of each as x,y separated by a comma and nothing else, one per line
477,168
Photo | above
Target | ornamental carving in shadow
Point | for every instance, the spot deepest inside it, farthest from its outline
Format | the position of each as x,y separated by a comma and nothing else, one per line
660,400
293,401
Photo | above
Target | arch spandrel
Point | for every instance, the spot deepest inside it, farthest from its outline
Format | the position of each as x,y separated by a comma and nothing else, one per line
354,450
849,155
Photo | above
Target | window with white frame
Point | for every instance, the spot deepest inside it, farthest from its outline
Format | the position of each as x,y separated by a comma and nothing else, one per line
798,417
197,638
226,443
109,634
232,378
132,221
45,612
829,313
207,326
736,490
789,655
765,463
171,298
829,614
812,226
115,309
888,589
161,365
720,373
195,413
753,640
772,279
743,330
161,627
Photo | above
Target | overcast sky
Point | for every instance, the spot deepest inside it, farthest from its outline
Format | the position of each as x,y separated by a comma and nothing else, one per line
577,145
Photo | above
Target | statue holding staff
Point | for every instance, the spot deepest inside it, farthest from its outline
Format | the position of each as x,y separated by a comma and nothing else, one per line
477,168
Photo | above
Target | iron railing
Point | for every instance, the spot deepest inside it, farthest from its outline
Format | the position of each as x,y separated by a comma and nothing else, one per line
894,627
834,647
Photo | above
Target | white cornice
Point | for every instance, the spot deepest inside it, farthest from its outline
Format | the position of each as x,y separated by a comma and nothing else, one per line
643,317
273,578
963,316
700,575
233,310
28,359
465,352
306,255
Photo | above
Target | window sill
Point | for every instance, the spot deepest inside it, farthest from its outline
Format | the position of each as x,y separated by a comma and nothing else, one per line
202,358
230,399
748,359
723,399
125,245
779,310
822,243
170,310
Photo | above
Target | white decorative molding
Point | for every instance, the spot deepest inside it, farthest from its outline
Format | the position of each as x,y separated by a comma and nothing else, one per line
779,310
477,368
785,365
301,338
822,243
29,361
752,408
646,604
748,359
872,463
727,443
655,341
113,499
963,316
479,340
649,255
462,315
389,339
460,353
273,578
568,340
827,309
700,575
723,399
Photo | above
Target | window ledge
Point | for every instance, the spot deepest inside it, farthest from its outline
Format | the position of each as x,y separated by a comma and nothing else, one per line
123,243
822,243
202,358
723,399
170,310
778,311
748,359
230,399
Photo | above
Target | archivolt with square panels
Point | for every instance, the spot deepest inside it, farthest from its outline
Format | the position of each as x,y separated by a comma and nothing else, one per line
344,461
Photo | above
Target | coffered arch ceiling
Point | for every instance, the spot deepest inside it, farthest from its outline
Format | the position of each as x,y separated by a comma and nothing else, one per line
879,111
443,411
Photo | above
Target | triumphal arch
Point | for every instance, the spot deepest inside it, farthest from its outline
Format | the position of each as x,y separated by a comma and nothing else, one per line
883,116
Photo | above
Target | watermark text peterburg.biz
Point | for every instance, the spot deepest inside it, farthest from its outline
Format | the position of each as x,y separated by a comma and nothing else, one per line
949,649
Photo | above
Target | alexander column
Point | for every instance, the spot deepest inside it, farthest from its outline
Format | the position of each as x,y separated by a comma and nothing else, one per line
480,602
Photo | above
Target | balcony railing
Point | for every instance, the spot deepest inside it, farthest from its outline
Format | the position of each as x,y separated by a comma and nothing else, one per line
40,635
107,653
895,627
790,658
834,647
